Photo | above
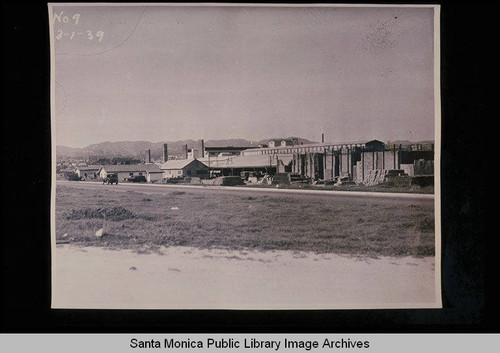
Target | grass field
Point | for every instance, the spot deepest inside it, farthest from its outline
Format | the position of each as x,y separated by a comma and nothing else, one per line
145,222
384,187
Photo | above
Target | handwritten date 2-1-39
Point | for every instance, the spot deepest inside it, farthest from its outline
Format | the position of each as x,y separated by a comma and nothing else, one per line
73,20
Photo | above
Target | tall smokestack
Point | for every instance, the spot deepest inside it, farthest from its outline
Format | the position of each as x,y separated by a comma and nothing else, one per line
322,138
201,148
185,151
148,156
165,152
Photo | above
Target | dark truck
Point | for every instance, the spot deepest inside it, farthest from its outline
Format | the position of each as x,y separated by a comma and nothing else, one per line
110,179
137,179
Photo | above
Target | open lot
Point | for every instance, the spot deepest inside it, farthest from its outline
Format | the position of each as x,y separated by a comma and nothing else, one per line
187,248
145,221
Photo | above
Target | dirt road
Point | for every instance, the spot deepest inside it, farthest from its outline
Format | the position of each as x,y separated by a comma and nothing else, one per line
183,277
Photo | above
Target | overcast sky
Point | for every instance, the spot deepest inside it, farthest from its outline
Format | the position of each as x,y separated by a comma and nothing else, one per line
164,73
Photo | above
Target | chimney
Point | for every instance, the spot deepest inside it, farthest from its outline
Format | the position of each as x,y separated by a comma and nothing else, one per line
201,148
165,152
322,138
185,151
148,156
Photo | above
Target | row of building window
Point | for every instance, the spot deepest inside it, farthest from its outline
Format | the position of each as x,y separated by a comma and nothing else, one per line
302,149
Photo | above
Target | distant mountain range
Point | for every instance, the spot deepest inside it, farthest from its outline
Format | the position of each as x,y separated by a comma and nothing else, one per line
138,149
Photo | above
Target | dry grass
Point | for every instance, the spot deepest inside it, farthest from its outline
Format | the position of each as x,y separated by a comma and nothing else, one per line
142,222
383,187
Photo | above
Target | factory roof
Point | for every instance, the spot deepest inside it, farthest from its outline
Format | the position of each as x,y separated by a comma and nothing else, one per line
227,148
116,168
321,145
252,161
178,164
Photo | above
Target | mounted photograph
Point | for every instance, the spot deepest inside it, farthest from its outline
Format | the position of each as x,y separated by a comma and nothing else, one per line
245,156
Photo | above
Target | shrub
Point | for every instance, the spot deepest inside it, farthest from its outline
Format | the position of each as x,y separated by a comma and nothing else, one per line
118,213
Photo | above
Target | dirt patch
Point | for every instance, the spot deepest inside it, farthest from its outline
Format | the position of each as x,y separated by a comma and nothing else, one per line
190,278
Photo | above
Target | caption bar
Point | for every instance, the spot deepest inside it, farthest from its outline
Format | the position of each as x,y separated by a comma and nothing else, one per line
248,343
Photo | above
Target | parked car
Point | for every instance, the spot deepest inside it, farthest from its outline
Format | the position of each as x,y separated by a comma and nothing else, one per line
175,180
110,179
137,179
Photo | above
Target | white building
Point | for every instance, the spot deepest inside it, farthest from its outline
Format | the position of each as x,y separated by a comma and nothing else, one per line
88,172
184,168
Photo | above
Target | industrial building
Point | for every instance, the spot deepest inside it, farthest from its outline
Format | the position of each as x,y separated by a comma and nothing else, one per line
352,160
235,164
358,161
201,151
283,142
224,151
184,168
124,171
363,162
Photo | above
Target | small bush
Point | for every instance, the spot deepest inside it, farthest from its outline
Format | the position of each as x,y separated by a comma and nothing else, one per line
109,213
